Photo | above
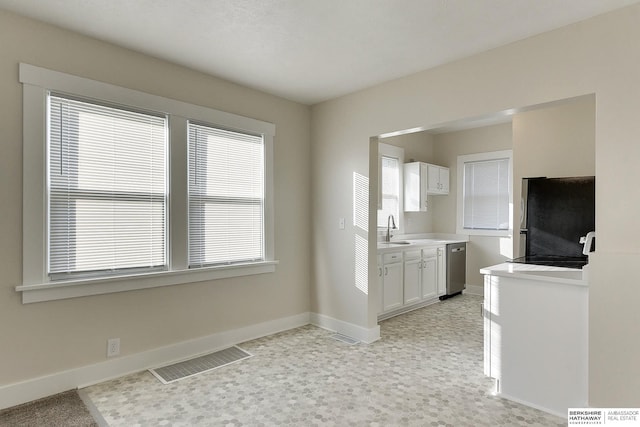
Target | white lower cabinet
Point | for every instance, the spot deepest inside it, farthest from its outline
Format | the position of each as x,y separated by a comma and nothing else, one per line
429,273
392,292
410,278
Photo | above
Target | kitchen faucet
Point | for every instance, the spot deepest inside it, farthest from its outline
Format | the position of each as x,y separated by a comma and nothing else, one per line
391,221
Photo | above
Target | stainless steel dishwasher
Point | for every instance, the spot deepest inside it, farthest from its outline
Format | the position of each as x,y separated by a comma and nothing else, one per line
456,269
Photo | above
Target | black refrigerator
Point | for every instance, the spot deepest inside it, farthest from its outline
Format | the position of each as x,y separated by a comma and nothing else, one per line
556,213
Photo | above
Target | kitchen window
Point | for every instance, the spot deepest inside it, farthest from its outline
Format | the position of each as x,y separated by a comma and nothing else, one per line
484,194
108,204
391,159
390,190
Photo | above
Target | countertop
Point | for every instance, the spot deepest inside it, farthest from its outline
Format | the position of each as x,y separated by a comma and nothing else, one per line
569,276
418,243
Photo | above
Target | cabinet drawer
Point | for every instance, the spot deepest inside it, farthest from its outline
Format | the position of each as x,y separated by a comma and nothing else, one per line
412,254
392,257
431,252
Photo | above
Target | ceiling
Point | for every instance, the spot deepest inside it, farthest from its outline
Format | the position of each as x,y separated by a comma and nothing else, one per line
311,50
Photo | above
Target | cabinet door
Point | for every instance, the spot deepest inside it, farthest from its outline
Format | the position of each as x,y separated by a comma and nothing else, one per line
438,178
412,270
433,179
392,286
444,180
412,184
442,271
429,277
416,182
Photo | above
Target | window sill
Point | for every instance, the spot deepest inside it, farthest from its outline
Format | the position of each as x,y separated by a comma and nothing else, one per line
488,233
105,285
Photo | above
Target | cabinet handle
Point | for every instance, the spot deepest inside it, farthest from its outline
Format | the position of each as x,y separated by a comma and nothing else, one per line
482,309
380,271
386,271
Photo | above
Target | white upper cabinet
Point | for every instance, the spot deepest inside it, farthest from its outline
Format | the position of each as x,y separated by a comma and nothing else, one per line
420,180
437,179
415,187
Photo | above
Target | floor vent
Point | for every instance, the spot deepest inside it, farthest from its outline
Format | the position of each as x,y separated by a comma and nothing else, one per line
188,368
345,339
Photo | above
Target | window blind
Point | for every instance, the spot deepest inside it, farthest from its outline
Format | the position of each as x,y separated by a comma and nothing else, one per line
226,196
107,186
390,181
486,195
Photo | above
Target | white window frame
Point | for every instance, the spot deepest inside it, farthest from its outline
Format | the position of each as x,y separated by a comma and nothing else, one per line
36,285
387,150
479,157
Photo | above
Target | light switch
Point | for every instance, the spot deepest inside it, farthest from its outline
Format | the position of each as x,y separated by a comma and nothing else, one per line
341,223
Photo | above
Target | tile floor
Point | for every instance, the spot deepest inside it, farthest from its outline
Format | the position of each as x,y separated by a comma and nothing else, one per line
425,371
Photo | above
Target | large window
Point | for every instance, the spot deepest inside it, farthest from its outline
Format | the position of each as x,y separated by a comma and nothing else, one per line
226,196
125,190
390,190
390,180
107,188
485,193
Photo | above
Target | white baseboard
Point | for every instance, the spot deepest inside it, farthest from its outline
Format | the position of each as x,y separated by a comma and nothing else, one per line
474,290
345,328
538,407
404,310
36,388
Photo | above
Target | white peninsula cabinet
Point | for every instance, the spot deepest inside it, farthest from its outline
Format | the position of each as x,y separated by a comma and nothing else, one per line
420,180
536,335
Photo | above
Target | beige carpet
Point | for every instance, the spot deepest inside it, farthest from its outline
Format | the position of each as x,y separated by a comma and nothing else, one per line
64,409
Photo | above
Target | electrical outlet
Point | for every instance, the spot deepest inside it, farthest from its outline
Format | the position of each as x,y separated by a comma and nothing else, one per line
113,347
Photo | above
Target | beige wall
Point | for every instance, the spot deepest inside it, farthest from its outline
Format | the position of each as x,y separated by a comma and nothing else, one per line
555,141
482,251
44,338
599,56
418,146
